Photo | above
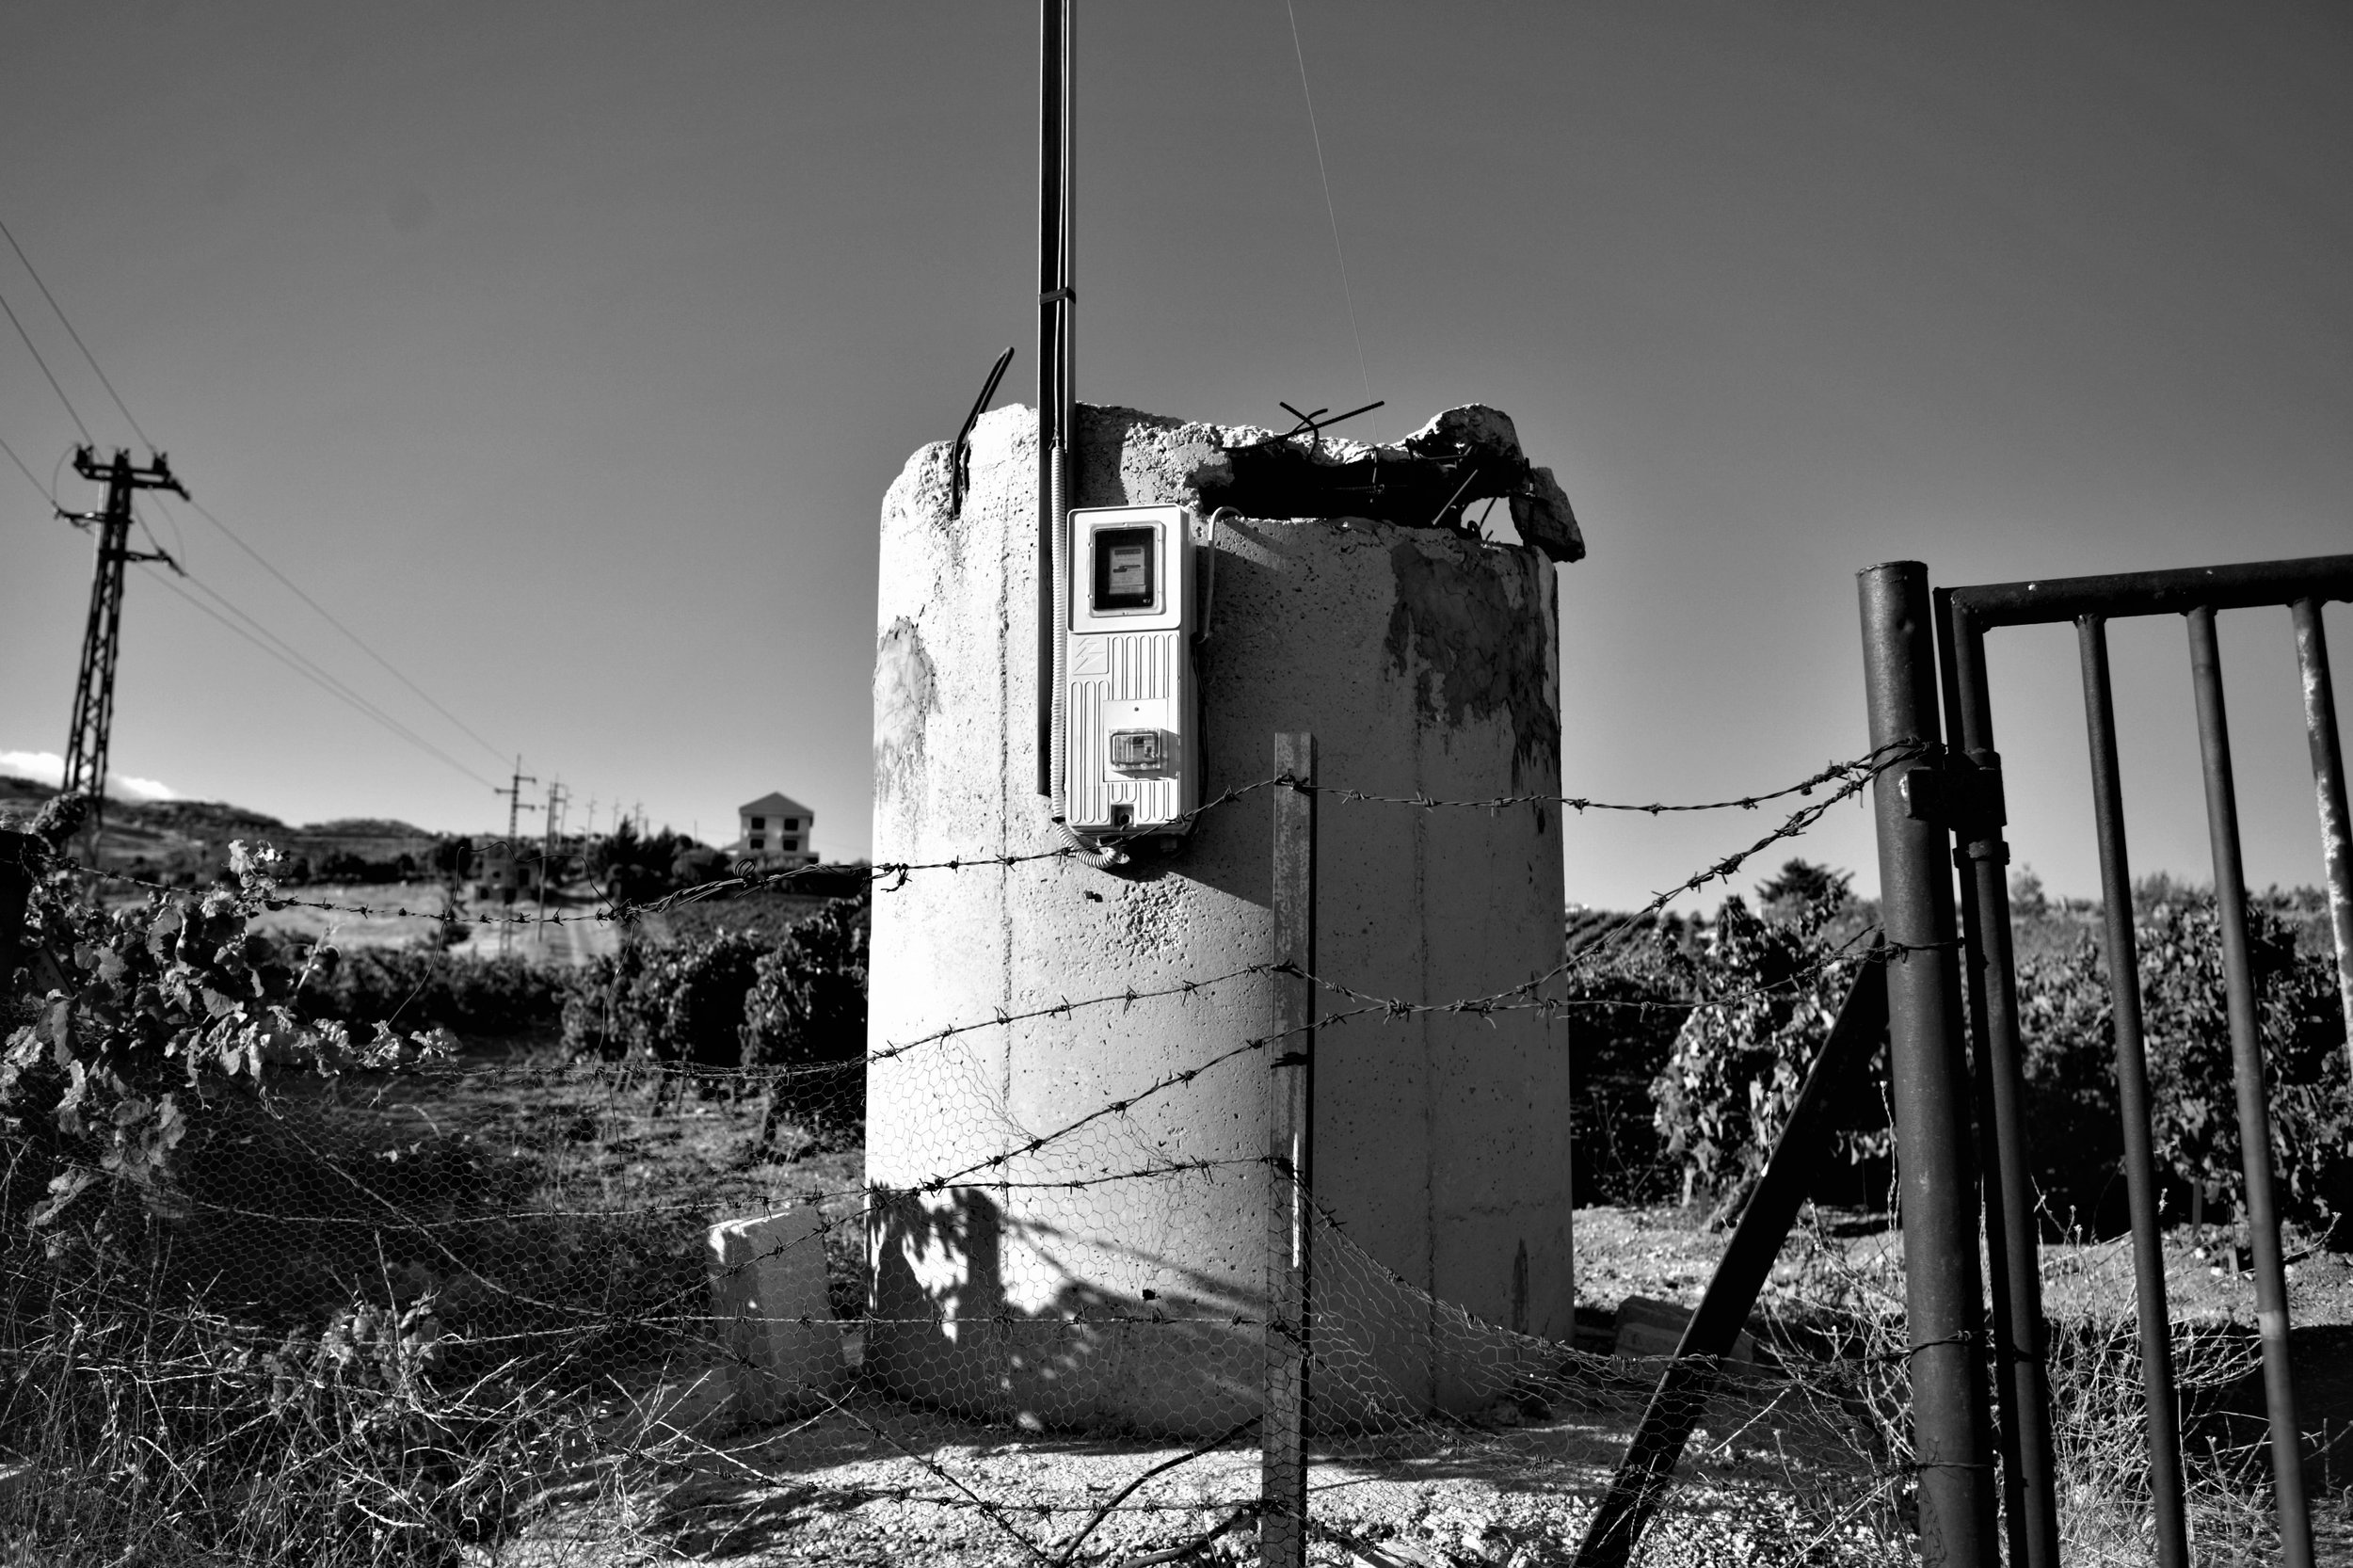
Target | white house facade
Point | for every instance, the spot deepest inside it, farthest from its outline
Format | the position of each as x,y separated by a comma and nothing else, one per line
775,830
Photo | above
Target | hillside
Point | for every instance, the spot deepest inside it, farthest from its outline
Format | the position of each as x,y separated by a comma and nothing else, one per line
165,839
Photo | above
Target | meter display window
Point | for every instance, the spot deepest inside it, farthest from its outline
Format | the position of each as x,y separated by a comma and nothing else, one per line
1125,574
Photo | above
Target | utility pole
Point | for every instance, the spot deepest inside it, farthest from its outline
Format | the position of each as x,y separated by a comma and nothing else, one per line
556,796
102,638
516,806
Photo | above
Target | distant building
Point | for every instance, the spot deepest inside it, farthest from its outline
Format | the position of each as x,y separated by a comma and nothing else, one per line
498,870
775,832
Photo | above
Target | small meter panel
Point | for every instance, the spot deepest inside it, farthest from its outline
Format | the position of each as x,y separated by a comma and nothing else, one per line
1131,760
1127,570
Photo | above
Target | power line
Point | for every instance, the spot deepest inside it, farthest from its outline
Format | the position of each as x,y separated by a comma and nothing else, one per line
1347,296
30,477
324,683
348,692
35,350
356,640
67,322
178,538
69,332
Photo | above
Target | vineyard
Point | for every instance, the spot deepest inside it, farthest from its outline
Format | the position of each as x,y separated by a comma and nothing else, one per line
397,1255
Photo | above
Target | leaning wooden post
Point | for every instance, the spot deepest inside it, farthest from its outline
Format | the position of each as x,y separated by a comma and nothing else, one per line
1283,1482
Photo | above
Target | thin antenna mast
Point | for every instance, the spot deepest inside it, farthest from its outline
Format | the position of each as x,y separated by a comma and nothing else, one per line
1057,308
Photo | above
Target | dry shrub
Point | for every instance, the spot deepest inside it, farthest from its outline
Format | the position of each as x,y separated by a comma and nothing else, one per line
2100,1431
180,1437
1844,1348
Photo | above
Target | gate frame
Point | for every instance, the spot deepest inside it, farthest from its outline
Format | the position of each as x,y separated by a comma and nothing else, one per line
1961,790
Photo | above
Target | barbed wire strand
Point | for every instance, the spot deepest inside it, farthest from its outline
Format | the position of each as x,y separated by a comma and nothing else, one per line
1852,776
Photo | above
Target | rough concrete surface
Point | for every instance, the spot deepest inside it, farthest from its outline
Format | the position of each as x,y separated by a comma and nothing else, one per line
1424,663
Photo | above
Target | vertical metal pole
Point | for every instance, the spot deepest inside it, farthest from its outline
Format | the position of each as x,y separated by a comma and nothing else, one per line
1944,1306
1964,806
2254,1115
1283,1480
2012,1228
2132,1097
1054,301
2336,827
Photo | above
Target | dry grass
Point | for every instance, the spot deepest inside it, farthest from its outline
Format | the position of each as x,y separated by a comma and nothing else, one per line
364,1413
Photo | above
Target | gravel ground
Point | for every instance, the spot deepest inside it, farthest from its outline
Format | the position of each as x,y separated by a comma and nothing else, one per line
878,1483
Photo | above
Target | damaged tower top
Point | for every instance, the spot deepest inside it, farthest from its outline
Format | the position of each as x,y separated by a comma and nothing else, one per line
1465,455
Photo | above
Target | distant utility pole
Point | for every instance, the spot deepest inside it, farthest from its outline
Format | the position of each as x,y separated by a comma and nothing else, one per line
556,796
516,806
102,638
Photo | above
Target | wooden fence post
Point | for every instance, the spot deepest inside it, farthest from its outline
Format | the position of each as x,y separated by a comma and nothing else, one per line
1283,1482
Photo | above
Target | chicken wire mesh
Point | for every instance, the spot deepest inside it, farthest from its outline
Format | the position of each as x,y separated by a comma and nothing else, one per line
548,1223
713,1251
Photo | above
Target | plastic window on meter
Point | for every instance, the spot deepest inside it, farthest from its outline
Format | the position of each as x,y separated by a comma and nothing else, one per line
1125,569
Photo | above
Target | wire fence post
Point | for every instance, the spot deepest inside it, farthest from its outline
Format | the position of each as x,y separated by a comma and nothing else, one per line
1283,1480
1943,1298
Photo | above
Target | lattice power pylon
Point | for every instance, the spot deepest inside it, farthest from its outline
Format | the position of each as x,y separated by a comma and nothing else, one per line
102,638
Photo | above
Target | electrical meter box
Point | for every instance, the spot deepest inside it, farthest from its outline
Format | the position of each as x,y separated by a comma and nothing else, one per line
1131,742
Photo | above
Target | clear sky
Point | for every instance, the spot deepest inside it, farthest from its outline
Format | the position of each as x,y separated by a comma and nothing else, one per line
564,351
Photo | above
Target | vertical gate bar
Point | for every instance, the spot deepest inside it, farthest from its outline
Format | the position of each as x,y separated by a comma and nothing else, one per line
1995,1193
1283,1479
2336,827
2132,1097
1943,1310
2012,1228
2254,1115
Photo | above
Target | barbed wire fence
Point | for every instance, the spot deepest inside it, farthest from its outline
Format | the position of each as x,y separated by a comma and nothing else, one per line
559,1277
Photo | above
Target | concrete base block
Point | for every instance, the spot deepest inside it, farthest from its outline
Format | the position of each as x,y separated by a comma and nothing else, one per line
771,1317
1648,1329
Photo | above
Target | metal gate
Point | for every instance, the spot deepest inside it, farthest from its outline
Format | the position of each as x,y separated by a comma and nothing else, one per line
1954,1037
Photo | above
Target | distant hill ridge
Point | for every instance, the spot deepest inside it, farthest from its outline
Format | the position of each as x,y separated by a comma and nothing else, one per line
172,835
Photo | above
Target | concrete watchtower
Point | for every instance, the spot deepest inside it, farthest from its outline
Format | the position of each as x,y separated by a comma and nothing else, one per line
1056,1283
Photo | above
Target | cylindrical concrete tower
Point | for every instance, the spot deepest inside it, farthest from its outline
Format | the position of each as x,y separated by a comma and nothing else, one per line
1083,1265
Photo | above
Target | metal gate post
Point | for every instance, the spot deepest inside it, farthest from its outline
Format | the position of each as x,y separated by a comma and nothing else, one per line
1944,1309
2336,828
1283,1419
2254,1115
2012,1228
